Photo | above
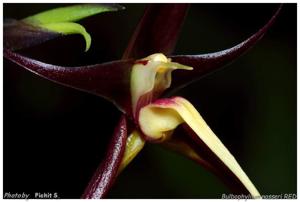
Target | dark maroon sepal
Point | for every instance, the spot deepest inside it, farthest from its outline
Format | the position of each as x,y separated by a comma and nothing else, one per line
107,172
19,35
157,31
110,80
207,63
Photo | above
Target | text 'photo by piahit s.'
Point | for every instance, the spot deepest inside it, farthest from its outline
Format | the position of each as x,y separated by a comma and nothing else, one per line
150,98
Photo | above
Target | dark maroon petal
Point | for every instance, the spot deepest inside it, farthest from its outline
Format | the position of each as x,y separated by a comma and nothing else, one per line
18,35
158,30
106,173
207,63
110,80
184,134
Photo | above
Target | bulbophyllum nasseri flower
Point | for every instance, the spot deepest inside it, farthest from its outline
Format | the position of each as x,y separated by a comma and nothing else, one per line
137,85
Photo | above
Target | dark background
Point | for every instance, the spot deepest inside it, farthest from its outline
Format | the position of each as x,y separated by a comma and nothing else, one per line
55,137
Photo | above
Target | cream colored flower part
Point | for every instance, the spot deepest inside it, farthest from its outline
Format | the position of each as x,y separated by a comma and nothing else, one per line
155,73
158,120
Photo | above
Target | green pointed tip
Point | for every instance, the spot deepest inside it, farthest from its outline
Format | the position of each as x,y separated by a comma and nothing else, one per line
88,41
71,13
61,20
67,28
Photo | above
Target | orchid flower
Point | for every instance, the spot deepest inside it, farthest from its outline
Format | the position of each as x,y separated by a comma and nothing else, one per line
139,85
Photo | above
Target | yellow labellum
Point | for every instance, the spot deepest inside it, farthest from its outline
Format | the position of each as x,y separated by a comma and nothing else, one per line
158,120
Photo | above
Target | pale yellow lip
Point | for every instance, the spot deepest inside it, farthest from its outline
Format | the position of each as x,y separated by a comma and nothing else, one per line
159,119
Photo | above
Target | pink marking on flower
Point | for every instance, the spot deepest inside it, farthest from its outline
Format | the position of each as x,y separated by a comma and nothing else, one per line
164,102
143,62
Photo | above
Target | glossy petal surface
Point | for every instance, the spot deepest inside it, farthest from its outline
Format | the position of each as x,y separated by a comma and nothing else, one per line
110,80
208,63
108,169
